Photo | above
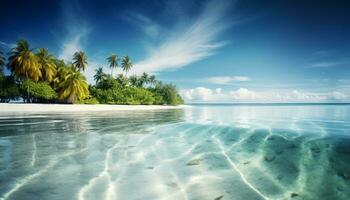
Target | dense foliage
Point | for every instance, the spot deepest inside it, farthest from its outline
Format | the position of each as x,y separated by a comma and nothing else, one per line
32,91
110,91
38,76
8,89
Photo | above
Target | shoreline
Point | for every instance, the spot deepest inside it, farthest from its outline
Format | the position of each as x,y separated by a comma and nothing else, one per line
33,107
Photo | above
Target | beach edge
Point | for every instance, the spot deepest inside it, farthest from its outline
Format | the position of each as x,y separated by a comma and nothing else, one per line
33,107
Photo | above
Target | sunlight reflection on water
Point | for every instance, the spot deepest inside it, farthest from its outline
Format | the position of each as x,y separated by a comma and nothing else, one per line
200,152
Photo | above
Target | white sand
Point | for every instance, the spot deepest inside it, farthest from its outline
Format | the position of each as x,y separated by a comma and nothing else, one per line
19,107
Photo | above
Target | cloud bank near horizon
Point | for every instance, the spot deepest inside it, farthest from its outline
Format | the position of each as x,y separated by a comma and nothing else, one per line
203,94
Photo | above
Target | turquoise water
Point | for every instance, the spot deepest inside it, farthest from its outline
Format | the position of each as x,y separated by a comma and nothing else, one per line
201,152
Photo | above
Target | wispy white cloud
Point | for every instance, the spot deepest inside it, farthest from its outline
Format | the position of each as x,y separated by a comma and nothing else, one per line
326,64
188,43
6,45
76,31
202,94
72,43
226,80
143,23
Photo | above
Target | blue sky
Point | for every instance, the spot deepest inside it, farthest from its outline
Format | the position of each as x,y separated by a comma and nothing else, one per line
214,51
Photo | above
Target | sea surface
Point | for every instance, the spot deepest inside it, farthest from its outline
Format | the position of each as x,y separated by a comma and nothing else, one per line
202,152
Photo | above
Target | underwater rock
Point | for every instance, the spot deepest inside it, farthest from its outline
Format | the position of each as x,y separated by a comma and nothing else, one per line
344,175
219,198
194,162
270,138
172,184
315,149
247,162
294,195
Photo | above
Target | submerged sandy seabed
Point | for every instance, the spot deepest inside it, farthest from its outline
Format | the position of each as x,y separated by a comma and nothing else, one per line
88,158
21,107
202,153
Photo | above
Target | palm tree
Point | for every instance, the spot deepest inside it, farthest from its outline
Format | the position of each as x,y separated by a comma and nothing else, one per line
152,80
80,60
23,62
62,72
74,87
100,75
134,81
123,80
126,64
2,62
144,79
47,64
113,62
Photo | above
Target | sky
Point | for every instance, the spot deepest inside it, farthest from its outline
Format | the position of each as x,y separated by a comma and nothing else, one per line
218,51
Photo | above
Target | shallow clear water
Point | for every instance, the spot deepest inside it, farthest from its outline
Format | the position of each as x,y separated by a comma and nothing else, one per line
203,152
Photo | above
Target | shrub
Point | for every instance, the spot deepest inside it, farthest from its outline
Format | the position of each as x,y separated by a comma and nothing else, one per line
108,83
138,96
37,91
116,91
8,89
167,94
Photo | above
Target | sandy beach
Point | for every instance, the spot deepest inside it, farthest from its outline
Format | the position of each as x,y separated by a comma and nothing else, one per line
20,107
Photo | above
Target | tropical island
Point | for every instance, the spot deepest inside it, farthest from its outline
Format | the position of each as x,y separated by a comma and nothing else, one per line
37,76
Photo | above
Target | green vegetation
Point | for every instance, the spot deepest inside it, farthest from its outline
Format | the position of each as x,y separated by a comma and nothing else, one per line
32,91
8,89
39,77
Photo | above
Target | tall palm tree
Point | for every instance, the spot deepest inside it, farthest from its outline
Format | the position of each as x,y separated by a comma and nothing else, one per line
152,80
2,62
47,64
126,64
74,87
23,62
113,62
80,60
100,75
144,79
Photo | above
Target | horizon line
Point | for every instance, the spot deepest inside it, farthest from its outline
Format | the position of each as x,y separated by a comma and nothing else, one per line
276,103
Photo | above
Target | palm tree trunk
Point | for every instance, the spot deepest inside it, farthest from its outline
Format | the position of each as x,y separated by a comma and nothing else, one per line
71,98
28,101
